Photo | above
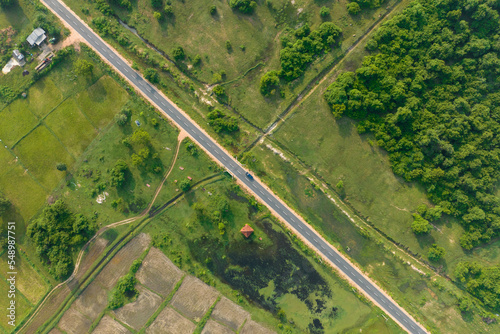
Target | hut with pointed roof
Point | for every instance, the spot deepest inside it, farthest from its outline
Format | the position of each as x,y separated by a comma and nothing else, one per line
246,230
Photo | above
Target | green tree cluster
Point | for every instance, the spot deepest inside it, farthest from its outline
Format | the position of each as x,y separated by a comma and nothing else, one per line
244,6
482,282
57,233
300,48
123,291
431,95
118,173
83,67
436,253
221,122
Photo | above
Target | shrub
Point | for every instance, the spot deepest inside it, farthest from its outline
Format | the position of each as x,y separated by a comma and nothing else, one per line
213,10
219,91
196,60
185,185
178,53
353,8
435,253
121,119
244,6
169,10
157,16
62,167
228,45
118,173
151,75
420,225
269,82
156,3
324,12
83,67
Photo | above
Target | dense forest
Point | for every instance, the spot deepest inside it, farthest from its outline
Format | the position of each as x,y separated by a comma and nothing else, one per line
430,94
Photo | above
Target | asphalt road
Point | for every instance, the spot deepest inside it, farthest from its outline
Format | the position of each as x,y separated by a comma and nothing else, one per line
234,168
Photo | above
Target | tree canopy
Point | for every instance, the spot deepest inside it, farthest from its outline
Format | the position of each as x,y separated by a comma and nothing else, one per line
83,67
431,96
57,233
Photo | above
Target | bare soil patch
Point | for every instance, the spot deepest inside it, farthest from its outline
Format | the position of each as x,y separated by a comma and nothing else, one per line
55,331
108,325
251,327
73,322
136,314
194,298
94,250
158,273
121,262
170,321
229,313
92,301
213,327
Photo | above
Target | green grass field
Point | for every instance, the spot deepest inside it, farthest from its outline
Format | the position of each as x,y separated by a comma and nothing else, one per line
63,121
16,120
433,303
23,306
44,96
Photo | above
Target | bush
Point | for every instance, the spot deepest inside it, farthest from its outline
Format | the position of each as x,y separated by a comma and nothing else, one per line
121,119
244,6
219,91
435,253
420,225
118,173
156,3
169,10
221,122
151,75
269,82
178,53
228,45
157,16
213,10
196,60
324,12
353,8
83,67
62,167
185,185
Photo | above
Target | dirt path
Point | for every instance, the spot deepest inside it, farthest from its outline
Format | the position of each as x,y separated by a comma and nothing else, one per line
64,284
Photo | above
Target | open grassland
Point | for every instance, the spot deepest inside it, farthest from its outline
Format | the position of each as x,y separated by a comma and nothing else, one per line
433,301
44,96
23,306
29,282
16,120
62,122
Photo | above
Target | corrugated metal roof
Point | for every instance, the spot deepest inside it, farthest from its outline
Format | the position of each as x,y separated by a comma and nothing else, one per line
36,37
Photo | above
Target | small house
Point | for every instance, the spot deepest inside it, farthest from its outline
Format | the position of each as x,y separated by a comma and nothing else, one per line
36,37
18,56
246,230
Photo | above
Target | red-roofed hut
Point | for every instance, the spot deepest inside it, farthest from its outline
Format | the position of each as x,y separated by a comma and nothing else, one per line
247,230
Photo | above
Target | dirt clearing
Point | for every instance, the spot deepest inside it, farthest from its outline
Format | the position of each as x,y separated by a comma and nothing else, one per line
108,325
158,273
121,262
170,321
136,314
73,322
213,327
251,327
229,313
92,301
194,298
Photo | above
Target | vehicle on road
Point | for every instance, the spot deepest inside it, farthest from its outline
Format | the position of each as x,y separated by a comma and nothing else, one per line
250,177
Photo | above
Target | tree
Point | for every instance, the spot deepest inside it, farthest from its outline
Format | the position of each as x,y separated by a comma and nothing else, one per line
151,75
420,225
157,16
141,137
178,53
137,160
4,205
83,67
435,253
228,45
121,119
219,91
269,82
185,185
465,304
324,12
156,3
118,173
244,6
61,167
353,8
213,10
340,185
169,10
6,3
